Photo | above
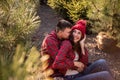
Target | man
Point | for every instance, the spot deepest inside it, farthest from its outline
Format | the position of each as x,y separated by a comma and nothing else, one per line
53,41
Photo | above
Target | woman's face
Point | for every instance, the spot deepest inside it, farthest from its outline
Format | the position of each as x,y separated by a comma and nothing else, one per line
76,35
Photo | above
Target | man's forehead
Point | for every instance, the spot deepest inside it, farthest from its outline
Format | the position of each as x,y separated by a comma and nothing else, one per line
67,29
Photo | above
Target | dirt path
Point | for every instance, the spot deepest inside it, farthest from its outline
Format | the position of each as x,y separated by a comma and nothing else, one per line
48,22
48,19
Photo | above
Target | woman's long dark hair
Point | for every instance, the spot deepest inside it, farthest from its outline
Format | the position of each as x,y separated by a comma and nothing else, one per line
76,47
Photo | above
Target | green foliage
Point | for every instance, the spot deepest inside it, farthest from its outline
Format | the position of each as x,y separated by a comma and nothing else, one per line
24,65
105,16
77,9
17,21
70,9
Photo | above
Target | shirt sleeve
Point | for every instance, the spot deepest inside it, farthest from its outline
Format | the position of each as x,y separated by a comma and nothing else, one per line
52,47
84,58
61,61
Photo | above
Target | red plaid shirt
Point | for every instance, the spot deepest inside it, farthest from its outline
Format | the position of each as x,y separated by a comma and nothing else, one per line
61,54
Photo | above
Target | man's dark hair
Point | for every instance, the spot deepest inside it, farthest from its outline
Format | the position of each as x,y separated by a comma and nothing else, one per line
63,24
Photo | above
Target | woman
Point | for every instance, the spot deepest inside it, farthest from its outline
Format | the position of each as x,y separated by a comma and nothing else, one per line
77,56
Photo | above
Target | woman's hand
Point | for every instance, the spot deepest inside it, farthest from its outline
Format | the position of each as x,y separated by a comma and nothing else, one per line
80,66
82,44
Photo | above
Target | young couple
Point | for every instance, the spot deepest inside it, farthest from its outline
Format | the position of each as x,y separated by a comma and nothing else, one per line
68,55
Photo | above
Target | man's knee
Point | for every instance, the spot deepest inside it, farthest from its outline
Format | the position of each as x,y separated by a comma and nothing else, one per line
105,75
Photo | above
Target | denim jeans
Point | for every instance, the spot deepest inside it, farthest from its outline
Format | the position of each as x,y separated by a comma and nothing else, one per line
103,75
98,70
97,66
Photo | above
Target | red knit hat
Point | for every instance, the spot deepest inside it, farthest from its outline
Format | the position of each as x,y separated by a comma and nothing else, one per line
80,25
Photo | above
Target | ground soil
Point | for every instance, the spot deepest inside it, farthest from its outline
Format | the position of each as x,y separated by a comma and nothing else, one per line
49,19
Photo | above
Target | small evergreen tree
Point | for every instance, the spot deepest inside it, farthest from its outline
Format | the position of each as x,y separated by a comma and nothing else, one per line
18,20
77,9
72,10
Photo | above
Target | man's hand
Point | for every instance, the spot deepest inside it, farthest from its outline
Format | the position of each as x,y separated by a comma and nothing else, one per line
80,66
82,44
43,50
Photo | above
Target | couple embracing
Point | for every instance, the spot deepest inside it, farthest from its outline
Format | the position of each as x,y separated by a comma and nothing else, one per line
68,55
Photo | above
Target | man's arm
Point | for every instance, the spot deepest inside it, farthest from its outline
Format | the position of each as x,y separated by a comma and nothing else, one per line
61,61
84,58
50,46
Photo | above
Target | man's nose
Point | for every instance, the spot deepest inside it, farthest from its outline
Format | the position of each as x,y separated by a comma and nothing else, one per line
75,34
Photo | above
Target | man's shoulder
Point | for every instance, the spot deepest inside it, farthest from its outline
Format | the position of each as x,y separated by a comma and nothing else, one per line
67,42
51,37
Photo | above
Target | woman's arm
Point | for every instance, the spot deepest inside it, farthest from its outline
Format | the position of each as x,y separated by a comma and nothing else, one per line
82,44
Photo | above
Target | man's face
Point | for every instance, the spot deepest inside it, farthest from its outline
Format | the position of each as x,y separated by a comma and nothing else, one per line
65,33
